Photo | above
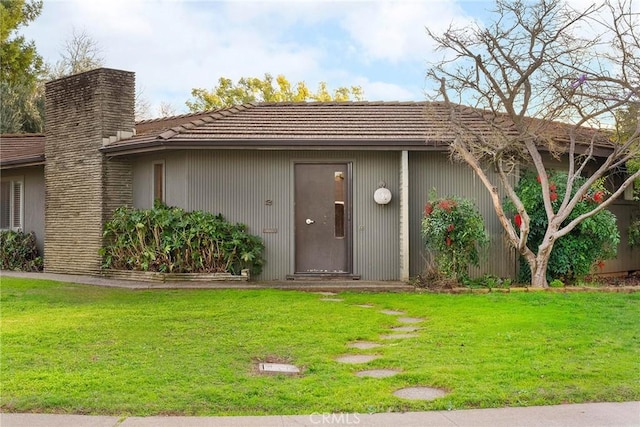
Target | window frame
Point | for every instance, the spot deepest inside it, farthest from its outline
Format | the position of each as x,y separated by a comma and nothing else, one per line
163,185
13,225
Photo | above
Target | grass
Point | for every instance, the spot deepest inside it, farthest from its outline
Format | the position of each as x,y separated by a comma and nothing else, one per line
70,348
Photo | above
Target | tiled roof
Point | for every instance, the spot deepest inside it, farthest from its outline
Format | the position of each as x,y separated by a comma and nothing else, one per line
314,125
21,149
317,124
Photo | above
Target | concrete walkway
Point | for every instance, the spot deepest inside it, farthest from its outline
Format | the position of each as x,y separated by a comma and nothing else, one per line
311,285
625,414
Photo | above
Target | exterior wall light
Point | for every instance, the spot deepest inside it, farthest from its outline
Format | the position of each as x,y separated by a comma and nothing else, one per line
382,195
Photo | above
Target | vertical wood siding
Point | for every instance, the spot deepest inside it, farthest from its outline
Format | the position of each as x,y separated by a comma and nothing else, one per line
175,187
256,188
430,170
628,259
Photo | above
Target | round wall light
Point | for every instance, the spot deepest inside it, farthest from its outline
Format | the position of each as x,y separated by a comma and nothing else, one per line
382,195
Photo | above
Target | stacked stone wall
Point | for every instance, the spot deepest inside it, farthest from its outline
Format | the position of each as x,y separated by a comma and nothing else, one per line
82,185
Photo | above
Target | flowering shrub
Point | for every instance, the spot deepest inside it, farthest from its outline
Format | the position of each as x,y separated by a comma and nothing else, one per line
586,247
453,232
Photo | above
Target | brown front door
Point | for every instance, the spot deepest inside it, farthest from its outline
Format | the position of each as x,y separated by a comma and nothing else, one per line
322,218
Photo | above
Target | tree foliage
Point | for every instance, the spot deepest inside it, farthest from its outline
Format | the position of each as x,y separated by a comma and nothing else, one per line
20,61
586,247
254,89
20,68
544,79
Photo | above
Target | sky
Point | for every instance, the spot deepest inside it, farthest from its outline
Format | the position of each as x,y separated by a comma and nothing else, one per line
176,45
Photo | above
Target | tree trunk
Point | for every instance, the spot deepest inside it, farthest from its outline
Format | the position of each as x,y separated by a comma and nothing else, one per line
539,267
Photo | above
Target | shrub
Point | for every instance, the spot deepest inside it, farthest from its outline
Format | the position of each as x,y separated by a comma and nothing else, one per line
634,233
169,239
555,283
453,232
19,251
582,250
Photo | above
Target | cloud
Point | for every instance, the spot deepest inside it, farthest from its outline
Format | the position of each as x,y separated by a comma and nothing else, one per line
174,46
396,31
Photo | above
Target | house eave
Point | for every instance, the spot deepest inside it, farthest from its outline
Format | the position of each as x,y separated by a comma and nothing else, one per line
278,145
22,162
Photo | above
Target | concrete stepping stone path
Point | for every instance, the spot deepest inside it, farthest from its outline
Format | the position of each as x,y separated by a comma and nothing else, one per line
363,345
406,328
419,393
332,299
412,393
357,358
378,373
410,319
393,312
398,336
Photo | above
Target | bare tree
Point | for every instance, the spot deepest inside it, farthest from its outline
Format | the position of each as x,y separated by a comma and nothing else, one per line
81,53
142,106
166,109
543,77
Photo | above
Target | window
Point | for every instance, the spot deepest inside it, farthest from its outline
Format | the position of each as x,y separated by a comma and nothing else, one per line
339,190
158,181
11,204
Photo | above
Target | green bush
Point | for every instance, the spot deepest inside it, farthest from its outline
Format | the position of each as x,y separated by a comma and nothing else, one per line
581,251
171,240
634,233
453,232
19,251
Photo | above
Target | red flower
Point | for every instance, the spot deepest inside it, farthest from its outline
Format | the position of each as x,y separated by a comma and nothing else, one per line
598,197
450,228
538,179
552,187
446,205
518,220
553,197
600,264
448,240
428,209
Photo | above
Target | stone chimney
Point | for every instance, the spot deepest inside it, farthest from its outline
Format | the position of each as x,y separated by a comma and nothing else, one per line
83,187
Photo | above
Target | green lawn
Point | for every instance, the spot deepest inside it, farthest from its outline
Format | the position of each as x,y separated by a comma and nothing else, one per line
82,349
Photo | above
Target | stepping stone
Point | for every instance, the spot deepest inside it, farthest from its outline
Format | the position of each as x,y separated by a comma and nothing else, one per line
419,393
378,373
398,336
357,358
278,368
393,312
325,293
331,299
410,319
364,305
363,345
406,328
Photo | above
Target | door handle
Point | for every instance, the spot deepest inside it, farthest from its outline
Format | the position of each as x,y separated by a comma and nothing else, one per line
309,221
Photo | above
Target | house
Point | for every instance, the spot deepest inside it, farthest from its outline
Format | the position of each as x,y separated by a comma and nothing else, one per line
301,175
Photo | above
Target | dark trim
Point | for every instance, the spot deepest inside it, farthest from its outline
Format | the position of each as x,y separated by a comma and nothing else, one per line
385,144
23,162
289,145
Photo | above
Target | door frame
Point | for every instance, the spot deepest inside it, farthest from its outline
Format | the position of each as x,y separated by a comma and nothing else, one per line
348,212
